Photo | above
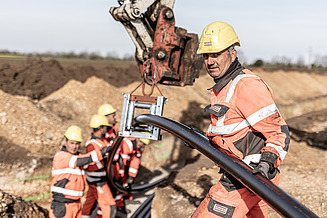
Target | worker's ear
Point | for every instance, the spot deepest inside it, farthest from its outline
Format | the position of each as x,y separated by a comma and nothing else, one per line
233,54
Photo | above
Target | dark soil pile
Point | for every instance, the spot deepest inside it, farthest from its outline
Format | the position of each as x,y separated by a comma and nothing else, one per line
305,128
38,78
11,153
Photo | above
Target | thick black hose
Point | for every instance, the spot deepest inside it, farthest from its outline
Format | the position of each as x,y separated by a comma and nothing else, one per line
277,198
143,206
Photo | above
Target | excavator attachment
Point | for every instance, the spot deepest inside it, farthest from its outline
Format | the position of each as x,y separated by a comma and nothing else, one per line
166,54
132,103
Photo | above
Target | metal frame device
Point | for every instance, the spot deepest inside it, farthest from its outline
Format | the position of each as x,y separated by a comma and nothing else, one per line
129,127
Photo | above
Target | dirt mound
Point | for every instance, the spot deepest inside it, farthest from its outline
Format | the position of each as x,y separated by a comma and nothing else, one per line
13,206
57,94
37,78
24,123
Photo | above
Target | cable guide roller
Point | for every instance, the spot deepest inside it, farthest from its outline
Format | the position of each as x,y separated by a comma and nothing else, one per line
131,105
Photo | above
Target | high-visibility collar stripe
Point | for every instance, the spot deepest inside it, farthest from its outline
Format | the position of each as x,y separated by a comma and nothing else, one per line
94,141
96,174
75,171
233,85
282,153
132,170
261,114
66,191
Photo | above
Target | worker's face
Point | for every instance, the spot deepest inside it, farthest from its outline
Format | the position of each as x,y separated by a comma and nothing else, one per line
139,144
112,118
72,146
218,63
103,130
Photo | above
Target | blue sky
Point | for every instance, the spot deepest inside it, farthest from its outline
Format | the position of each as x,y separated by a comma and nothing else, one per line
267,29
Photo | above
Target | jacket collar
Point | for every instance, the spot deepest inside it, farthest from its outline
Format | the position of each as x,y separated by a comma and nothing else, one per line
232,72
95,137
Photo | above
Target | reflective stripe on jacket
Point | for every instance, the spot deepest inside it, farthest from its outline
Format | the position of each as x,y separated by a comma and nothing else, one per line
68,176
95,171
131,157
245,119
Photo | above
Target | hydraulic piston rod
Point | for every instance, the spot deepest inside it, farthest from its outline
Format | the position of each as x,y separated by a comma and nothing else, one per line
277,198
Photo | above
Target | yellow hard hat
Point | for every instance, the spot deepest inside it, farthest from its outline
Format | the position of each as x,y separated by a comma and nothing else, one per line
106,109
145,141
216,37
98,120
74,133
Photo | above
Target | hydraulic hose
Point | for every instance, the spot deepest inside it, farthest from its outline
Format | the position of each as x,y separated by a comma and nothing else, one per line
278,199
144,207
115,184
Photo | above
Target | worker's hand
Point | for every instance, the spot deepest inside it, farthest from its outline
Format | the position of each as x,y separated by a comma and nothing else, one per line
266,169
130,180
105,150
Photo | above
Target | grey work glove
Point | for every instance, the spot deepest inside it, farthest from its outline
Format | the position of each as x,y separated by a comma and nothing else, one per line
130,181
263,168
105,150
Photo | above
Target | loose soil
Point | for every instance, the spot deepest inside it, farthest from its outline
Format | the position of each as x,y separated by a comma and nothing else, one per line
40,98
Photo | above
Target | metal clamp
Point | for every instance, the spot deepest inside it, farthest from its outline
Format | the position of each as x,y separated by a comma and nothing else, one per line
129,127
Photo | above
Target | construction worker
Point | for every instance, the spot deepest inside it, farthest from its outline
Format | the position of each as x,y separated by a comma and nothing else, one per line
131,150
96,175
68,176
109,112
244,120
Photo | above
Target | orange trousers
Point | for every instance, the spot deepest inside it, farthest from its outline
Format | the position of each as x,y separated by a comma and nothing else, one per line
65,210
238,203
103,196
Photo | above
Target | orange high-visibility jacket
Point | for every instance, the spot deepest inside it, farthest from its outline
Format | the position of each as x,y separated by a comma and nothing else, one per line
245,119
68,176
96,172
131,157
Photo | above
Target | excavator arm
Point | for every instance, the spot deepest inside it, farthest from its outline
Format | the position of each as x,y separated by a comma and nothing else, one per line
165,54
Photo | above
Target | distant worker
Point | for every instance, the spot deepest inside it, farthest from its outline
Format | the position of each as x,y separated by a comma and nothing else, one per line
96,173
131,150
109,112
68,176
244,120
